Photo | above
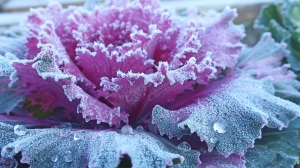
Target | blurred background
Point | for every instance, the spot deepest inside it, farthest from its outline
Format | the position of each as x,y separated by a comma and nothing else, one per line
12,12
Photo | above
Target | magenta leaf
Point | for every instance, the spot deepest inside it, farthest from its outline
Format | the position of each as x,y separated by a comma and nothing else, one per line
132,62
91,108
214,159
64,147
228,114
129,71
221,37
44,97
62,86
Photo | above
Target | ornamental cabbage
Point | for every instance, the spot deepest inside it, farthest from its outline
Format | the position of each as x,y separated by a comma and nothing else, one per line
126,83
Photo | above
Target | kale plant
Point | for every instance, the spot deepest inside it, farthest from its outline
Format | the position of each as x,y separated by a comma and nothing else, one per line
128,84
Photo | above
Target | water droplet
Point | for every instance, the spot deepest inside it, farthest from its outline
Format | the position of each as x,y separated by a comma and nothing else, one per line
213,140
68,156
79,135
54,158
220,127
127,129
140,128
65,129
20,130
184,146
258,86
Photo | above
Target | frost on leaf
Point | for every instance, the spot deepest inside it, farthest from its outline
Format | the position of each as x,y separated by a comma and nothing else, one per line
125,64
91,108
265,58
228,114
88,148
282,20
53,91
11,91
276,148
44,95
7,134
10,97
288,89
12,45
221,37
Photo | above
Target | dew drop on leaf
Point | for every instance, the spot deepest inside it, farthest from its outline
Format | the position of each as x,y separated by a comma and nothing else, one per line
127,129
78,135
68,156
54,157
258,86
184,146
20,130
64,129
213,140
219,127
140,128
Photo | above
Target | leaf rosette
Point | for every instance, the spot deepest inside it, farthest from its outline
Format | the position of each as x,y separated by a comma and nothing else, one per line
108,68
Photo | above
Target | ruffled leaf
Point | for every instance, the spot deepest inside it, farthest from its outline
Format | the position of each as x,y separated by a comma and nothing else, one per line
13,45
11,92
228,114
10,97
63,147
276,148
288,89
265,58
44,94
290,11
266,15
282,20
219,27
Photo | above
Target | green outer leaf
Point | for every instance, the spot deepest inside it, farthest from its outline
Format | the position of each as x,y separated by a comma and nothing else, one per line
267,14
276,148
288,90
279,33
289,11
284,24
